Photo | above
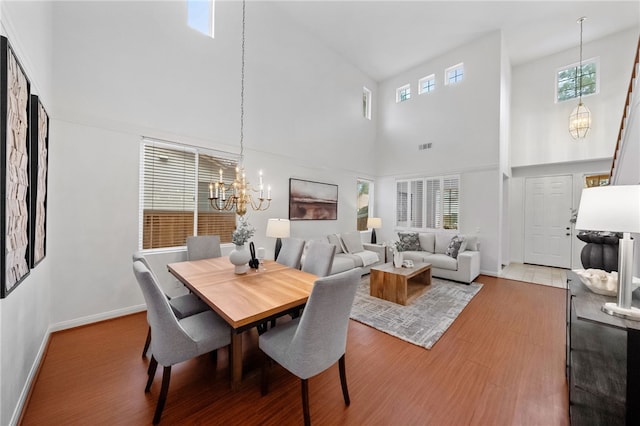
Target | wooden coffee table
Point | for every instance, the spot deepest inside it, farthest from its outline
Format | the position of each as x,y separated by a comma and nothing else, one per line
399,285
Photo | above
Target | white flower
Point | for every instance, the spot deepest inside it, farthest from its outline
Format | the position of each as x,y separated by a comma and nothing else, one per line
243,232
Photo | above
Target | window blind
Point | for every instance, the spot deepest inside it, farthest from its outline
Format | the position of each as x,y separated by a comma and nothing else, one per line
428,203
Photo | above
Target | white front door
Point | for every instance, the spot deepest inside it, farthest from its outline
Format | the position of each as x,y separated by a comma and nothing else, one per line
547,234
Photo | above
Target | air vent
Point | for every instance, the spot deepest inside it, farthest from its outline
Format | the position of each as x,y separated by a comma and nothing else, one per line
424,146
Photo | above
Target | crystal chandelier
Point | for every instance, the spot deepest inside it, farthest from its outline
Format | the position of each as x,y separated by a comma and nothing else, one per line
238,195
580,118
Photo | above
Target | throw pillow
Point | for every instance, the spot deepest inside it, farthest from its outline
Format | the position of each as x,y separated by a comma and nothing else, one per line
454,246
442,242
336,241
409,241
427,241
352,242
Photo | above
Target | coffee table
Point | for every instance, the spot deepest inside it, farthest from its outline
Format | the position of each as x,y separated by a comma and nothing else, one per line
399,285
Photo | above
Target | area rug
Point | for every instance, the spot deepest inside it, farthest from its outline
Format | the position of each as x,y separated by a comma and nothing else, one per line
424,320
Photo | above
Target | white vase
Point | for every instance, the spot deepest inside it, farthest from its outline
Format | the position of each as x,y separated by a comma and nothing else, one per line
397,259
240,257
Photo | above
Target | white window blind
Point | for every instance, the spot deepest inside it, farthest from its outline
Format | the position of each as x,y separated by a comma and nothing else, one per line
174,185
428,203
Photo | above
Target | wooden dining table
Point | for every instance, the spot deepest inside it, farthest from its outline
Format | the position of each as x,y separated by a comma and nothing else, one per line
245,300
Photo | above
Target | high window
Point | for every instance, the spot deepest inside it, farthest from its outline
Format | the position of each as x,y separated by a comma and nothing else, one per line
427,84
174,191
432,202
403,93
366,103
454,74
568,82
200,15
364,203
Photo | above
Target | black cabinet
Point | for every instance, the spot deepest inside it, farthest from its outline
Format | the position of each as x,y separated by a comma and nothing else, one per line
602,360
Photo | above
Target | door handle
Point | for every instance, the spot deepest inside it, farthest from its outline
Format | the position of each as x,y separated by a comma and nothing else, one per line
567,234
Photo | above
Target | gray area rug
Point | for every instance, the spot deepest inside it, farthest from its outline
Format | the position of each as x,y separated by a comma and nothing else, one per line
424,320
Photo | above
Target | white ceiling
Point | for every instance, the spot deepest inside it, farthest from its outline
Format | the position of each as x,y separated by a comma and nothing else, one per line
384,38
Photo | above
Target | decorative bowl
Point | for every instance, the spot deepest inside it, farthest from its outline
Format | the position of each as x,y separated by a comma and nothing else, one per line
602,282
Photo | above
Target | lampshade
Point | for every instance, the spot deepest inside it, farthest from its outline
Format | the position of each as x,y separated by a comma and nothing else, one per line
374,222
580,122
278,228
610,208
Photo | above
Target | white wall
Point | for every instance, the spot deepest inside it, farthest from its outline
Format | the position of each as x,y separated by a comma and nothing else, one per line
463,123
24,314
156,77
539,132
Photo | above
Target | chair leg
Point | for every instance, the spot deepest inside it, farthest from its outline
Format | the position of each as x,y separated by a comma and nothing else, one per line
343,380
264,375
305,402
151,371
146,344
166,376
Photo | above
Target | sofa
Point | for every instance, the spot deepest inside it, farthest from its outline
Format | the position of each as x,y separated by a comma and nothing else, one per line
351,253
452,256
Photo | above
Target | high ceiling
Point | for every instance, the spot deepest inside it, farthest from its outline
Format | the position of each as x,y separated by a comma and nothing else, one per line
384,38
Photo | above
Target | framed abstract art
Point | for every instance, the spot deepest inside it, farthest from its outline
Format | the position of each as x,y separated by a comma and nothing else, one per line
312,200
39,134
14,169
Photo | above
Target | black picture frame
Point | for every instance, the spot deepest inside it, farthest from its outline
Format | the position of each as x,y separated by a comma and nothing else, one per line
38,183
309,200
14,170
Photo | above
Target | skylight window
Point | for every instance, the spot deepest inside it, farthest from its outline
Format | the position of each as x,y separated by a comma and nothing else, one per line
427,84
200,15
454,74
403,93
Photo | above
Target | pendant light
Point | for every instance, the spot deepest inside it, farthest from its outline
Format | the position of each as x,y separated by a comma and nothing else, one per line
580,118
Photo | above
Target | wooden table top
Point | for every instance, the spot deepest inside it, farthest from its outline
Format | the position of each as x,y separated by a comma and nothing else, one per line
247,299
389,268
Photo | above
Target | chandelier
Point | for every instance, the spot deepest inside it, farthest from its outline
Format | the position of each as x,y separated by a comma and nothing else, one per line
238,194
580,118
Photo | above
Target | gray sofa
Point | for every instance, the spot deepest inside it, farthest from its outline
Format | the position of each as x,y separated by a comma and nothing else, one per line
462,266
351,253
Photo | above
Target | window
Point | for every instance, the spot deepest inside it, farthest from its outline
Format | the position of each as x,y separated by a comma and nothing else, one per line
454,74
427,84
364,203
174,189
428,203
403,93
568,82
366,103
200,14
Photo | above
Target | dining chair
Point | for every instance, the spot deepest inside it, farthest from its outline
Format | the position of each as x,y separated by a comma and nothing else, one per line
313,342
203,247
319,258
182,306
175,340
291,252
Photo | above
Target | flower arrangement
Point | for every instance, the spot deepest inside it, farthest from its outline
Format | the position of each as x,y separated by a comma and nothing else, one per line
243,232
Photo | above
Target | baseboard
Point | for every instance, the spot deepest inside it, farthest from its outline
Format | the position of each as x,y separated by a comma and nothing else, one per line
96,318
489,273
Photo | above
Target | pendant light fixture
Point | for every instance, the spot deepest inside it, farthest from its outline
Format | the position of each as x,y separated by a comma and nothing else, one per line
580,118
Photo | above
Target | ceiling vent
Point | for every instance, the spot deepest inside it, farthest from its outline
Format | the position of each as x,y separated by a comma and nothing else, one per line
424,146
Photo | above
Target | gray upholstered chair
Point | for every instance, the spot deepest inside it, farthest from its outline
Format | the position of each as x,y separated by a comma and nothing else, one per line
313,342
203,247
291,252
319,258
182,306
174,340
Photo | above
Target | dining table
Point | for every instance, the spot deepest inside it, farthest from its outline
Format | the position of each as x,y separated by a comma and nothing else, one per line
245,300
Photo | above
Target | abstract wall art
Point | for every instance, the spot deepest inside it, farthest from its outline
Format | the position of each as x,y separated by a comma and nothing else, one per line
14,169
312,200
39,134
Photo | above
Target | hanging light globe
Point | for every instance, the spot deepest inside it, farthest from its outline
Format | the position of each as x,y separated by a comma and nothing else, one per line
580,122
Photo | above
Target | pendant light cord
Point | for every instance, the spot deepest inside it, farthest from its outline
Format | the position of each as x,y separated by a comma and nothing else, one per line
580,20
242,91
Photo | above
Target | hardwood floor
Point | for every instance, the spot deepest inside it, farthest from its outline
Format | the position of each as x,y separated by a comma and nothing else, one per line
501,363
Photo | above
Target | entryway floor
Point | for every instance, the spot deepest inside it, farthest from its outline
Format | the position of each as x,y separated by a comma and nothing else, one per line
545,275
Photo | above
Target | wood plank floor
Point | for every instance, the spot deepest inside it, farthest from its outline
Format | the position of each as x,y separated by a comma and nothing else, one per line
500,363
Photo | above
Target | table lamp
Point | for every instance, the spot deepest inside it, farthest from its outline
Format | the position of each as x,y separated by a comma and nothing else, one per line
374,223
278,228
615,208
